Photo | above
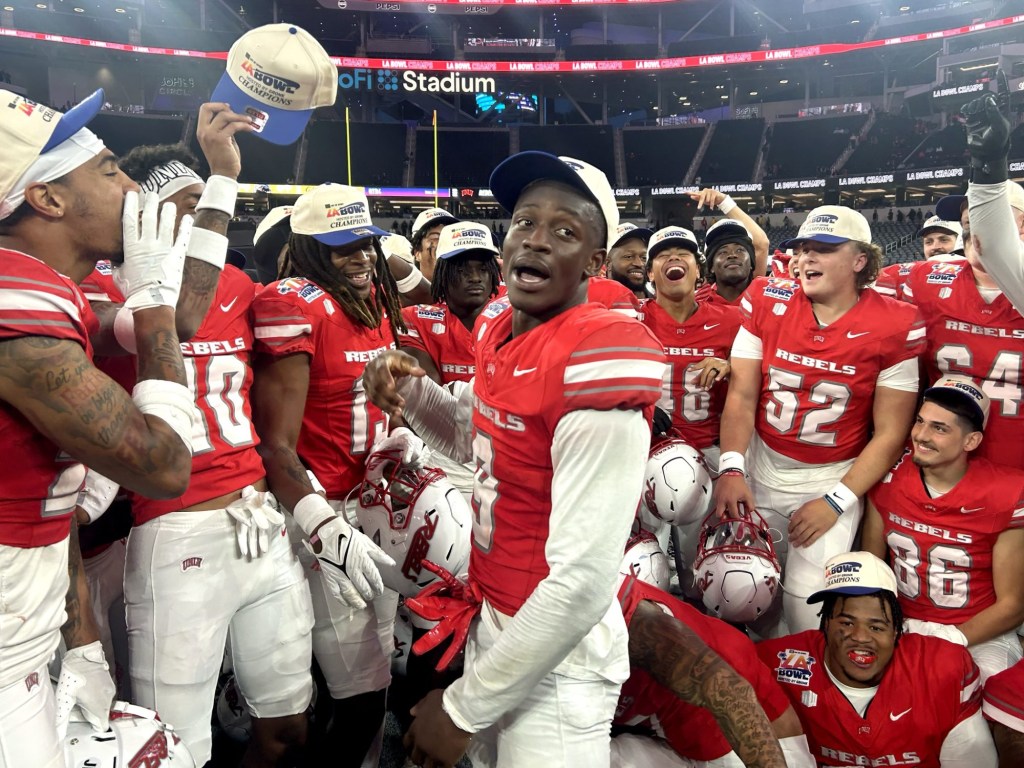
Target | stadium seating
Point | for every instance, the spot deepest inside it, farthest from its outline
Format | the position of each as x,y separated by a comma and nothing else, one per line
378,153
124,132
732,153
466,156
660,155
810,147
946,146
886,145
591,143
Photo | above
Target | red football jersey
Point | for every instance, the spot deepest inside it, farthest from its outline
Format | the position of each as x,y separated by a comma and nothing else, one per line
339,425
218,371
586,358
709,332
692,731
942,548
818,383
984,341
708,294
929,687
100,287
40,481
436,331
614,295
1004,698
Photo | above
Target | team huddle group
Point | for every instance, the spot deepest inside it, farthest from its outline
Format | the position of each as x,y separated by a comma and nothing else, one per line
591,495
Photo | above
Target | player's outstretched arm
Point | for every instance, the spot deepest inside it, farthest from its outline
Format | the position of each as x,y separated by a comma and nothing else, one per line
872,537
382,377
1007,612
738,415
413,286
676,657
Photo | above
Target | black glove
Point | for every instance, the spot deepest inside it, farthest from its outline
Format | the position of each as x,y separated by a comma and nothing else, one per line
988,134
662,422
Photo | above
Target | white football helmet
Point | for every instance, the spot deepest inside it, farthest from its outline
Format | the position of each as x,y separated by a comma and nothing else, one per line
646,560
736,569
677,485
230,712
135,738
414,514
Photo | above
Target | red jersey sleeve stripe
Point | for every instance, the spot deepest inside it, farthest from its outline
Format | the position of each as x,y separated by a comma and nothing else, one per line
971,685
1002,711
598,370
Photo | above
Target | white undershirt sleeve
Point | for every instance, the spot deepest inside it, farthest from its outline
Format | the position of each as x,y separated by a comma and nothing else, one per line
904,376
747,346
969,745
598,459
441,416
1000,248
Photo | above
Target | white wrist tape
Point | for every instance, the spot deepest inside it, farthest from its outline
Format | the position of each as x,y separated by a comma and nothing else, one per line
169,401
220,195
732,460
124,330
311,510
211,247
97,494
410,281
317,485
727,205
841,499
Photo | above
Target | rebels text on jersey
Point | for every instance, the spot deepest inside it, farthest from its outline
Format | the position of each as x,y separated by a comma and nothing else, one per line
942,547
984,341
586,358
40,481
929,687
819,382
218,372
709,332
434,330
339,425
691,731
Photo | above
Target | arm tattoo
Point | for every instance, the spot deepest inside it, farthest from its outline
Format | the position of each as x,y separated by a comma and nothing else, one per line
80,627
677,658
199,279
159,356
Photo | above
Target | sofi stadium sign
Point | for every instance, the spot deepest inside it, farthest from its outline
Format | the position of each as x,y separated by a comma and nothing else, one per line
392,80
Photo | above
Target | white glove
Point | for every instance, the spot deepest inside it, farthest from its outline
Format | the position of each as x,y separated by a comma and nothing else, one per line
84,682
402,446
97,494
255,517
348,558
153,261
949,632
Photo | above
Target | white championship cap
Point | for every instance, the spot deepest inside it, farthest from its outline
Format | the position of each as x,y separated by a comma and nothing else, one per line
334,214
965,390
855,573
277,75
465,237
668,237
953,227
833,224
431,217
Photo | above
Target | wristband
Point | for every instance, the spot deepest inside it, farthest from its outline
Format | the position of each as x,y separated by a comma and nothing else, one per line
732,461
312,510
732,471
207,246
841,499
97,494
410,281
220,195
727,205
167,400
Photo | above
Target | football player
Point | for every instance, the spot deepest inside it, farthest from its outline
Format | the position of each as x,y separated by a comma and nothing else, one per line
559,408
335,308
1003,705
866,693
735,249
64,205
696,338
698,684
425,233
973,330
941,241
823,388
627,259
952,524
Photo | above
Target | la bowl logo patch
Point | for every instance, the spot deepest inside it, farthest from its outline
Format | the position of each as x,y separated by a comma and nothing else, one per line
351,209
291,284
780,288
824,219
795,667
943,273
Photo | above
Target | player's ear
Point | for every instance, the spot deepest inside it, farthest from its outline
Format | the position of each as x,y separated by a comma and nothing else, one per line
594,262
973,440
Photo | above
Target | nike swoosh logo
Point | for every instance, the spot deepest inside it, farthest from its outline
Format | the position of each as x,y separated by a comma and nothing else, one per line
966,511
523,372
709,327
852,335
894,718
227,307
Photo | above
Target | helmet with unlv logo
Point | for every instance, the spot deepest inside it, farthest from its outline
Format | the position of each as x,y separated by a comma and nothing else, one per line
646,560
677,486
736,570
413,514
135,738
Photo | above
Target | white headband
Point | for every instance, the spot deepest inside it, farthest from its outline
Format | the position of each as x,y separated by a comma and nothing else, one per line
169,179
78,149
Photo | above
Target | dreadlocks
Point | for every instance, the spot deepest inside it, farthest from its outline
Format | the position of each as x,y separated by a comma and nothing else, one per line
885,599
446,272
308,257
